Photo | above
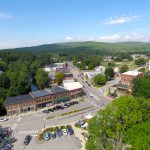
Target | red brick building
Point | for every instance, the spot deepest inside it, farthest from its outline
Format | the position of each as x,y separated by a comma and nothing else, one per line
36,99
127,78
74,88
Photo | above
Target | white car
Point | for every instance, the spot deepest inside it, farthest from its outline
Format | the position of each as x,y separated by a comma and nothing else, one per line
85,125
2,119
64,132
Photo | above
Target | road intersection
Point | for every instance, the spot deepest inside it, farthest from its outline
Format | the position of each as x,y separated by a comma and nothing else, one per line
33,122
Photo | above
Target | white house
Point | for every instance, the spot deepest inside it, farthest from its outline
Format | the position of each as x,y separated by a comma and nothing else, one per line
100,69
116,69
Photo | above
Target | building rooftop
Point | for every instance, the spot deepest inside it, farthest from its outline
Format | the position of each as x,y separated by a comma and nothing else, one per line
17,99
39,93
56,90
34,94
132,73
72,86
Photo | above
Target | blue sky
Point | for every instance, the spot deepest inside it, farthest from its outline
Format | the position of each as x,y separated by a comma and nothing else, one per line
34,22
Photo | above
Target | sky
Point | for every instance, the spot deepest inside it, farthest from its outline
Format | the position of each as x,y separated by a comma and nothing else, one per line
36,22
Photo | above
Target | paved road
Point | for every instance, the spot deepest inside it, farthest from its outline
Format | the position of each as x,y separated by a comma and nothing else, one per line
33,123
97,94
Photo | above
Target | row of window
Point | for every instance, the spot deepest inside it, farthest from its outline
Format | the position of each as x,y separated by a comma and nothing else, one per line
50,98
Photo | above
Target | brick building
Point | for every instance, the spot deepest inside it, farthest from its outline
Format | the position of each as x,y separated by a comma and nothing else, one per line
74,88
36,99
127,78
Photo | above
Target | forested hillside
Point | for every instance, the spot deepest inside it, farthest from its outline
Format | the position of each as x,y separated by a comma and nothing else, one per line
91,47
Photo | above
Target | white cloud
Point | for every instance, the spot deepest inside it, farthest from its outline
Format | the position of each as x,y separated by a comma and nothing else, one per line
68,38
6,16
121,20
124,38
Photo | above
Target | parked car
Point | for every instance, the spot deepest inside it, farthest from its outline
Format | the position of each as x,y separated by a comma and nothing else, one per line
47,136
70,131
53,135
85,125
27,140
59,107
50,109
64,132
59,132
45,111
66,105
2,119
11,140
79,123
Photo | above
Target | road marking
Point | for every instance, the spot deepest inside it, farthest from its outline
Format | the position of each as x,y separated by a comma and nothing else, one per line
32,132
16,124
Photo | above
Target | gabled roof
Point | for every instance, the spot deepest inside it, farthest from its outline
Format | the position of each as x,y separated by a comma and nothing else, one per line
132,73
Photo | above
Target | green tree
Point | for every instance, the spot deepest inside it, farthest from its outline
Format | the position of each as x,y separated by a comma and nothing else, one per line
140,61
100,79
109,72
124,68
3,65
142,70
108,128
141,87
4,81
59,77
139,136
41,78
35,65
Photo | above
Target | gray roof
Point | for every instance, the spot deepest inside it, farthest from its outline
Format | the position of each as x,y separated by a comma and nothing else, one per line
18,99
34,94
56,90
39,93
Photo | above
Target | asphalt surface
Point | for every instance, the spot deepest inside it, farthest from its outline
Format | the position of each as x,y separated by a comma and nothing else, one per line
36,121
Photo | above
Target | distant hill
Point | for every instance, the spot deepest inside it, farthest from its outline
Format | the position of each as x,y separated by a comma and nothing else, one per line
90,47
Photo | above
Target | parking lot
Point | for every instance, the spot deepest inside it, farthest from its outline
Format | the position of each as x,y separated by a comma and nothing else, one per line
60,143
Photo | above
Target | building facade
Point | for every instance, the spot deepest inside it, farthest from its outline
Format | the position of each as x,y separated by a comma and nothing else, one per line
36,99
127,78
75,89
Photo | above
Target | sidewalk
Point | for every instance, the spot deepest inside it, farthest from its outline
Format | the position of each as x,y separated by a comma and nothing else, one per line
78,133
39,110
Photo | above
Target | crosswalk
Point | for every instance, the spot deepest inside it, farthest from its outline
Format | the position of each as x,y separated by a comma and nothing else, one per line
31,132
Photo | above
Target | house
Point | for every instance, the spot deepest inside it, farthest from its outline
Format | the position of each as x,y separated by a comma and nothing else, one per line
75,89
49,68
51,77
127,78
107,58
89,75
55,67
116,69
137,56
60,65
100,69
36,99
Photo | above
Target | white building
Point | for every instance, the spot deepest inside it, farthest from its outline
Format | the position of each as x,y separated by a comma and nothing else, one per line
116,69
72,86
100,69
90,74
54,67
